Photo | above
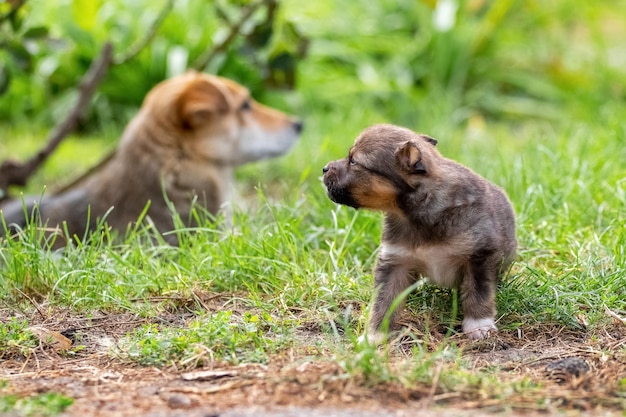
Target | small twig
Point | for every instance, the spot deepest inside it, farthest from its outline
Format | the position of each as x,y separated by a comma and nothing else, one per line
211,389
30,352
139,45
222,14
43,316
17,173
94,326
615,317
433,387
235,29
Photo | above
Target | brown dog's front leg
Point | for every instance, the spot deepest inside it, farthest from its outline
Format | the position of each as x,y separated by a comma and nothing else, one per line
391,277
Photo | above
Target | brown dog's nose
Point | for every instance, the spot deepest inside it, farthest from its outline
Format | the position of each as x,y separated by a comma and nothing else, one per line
325,169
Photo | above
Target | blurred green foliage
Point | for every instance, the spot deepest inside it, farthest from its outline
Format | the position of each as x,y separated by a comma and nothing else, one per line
506,58
499,58
41,74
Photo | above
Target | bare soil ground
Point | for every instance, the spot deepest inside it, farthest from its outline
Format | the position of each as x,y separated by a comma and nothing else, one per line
579,373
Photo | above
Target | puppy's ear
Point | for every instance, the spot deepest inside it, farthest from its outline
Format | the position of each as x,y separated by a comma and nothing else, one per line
429,139
410,158
200,100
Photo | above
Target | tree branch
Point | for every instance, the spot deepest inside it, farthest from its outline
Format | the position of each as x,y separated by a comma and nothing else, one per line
150,34
235,29
17,173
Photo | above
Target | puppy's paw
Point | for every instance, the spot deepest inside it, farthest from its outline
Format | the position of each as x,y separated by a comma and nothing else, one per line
477,329
373,338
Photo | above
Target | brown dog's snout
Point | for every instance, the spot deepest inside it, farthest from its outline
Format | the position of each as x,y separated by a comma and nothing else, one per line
298,126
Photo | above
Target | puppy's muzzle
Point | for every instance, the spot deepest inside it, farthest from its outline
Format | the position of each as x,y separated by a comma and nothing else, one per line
337,187
331,174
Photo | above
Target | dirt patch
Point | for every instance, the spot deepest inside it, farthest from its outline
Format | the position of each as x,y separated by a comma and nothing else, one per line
577,371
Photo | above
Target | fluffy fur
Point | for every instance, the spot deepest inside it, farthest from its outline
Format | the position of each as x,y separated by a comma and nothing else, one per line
442,221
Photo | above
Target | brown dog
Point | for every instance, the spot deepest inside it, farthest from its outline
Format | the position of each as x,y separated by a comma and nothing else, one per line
442,221
189,135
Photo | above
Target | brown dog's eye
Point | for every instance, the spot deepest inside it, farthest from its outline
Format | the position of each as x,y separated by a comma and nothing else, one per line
352,161
246,105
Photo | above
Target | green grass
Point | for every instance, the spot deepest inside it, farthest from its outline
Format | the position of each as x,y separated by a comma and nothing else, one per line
15,340
207,338
296,257
47,404
302,251
293,260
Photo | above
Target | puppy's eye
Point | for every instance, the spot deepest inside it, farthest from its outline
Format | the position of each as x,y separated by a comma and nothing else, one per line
246,105
352,161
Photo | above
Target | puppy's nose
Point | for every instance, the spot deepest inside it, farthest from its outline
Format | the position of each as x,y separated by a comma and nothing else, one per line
298,126
325,169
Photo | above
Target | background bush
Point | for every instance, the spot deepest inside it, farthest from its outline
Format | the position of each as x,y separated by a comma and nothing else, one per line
41,73
502,58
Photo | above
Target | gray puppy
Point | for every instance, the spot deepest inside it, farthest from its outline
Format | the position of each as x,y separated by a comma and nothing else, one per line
442,221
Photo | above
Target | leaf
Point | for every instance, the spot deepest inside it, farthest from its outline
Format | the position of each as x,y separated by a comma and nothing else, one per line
36,32
16,20
208,375
616,319
260,35
5,80
282,61
20,55
492,22
85,13
51,338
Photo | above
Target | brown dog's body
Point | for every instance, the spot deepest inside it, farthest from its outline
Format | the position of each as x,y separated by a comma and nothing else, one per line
443,221
190,134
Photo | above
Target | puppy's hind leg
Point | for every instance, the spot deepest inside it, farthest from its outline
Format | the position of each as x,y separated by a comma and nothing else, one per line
478,295
391,277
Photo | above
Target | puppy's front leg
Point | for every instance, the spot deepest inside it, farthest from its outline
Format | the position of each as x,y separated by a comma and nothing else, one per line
478,295
391,277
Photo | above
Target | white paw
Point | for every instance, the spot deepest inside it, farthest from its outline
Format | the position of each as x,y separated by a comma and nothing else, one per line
373,338
477,329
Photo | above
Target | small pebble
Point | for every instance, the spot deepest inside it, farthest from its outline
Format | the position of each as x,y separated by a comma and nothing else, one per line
562,369
179,401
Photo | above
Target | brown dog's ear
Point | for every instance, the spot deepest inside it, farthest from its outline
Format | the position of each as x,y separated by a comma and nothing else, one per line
429,139
199,101
410,158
